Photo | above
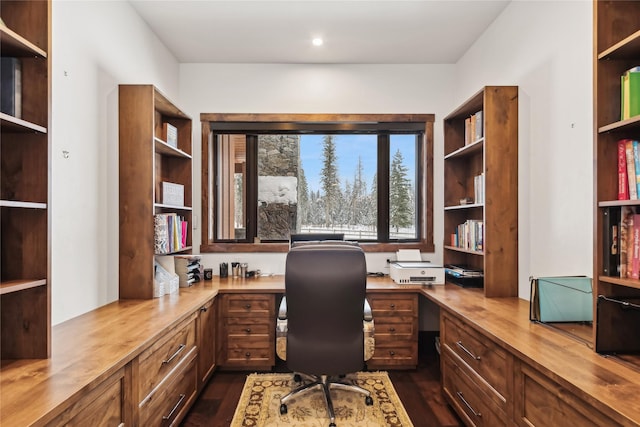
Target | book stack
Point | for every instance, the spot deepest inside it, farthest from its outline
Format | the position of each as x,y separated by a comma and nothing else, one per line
473,129
170,233
469,235
621,243
188,269
630,93
628,163
464,276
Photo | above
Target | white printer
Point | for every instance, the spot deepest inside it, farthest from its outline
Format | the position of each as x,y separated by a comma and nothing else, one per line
411,270
416,273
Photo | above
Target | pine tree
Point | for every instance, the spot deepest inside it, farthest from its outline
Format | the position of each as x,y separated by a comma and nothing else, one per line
329,180
401,208
303,199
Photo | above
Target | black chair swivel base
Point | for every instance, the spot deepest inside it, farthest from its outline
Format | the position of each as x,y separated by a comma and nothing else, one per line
326,384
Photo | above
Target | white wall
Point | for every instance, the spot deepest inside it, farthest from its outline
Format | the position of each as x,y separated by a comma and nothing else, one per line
542,46
291,88
96,46
545,47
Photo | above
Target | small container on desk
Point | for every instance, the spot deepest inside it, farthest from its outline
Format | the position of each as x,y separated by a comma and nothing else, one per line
464,276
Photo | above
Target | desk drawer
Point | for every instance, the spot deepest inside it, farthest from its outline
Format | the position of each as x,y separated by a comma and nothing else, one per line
394,354
393,305
248,305
466,396
162,357
168,404
246,356
482,355
390,330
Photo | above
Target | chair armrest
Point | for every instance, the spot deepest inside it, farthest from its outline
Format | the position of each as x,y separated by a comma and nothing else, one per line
368,315
282,311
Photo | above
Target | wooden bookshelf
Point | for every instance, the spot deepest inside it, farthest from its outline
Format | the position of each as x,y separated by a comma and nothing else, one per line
495,154
25,287
146,160
616,49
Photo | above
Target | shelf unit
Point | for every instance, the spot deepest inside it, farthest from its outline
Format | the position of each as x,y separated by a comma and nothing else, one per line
25,191
616,49
494,154
146,160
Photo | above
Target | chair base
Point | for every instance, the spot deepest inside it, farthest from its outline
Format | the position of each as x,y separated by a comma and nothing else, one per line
326,384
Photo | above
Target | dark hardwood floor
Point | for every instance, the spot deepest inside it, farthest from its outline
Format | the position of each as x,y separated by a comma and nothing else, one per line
419,391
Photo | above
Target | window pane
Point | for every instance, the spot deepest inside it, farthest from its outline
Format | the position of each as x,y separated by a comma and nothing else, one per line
317,184
232,187
402,187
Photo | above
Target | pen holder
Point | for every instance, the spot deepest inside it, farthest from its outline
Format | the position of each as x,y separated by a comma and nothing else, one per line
224,270
243,269
235,269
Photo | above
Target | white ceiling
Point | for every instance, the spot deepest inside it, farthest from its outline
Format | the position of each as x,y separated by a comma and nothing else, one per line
354,31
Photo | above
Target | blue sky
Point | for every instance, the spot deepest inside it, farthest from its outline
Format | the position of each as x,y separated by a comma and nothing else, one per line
348,148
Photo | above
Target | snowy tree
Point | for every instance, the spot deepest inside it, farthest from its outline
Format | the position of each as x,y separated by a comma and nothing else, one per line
303,199
329,180
401,208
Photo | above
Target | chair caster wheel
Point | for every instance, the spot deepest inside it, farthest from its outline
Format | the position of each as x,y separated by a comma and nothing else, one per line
283,409
332,425
368,400
297,378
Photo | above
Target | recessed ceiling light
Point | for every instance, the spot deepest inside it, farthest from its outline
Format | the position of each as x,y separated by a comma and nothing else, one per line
317,41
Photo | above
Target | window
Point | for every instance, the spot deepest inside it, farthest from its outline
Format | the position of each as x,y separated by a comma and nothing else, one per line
368,177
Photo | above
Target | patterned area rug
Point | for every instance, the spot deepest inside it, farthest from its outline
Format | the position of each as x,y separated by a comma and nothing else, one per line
259,404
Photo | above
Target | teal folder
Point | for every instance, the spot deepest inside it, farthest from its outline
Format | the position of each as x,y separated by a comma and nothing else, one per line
561,299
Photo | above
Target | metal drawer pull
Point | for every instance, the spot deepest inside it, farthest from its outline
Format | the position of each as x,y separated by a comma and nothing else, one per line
247,354
459,344
175,408
247,306
393,306
203,309
477,414
248,330
392,329
174,355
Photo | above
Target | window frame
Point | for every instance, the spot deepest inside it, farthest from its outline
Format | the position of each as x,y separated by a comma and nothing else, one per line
216,123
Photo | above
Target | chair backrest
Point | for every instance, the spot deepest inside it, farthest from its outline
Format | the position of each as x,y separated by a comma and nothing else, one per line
325,286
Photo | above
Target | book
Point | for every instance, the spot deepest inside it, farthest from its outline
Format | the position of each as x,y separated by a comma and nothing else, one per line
636,158
630,93
631,170
170,134
161,234
611,243
11,86
478,130
626,240
635,255
623,183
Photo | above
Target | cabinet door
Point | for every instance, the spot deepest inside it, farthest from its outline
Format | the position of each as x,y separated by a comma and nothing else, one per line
103,406
206,342
543,402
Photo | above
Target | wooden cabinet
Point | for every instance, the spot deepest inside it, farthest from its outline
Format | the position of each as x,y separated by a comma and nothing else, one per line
492,156
617,49
395,317
247,331
146,161
25,141
206,342
476,373
166,380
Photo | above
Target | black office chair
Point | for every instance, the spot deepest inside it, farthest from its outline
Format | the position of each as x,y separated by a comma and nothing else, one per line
325,289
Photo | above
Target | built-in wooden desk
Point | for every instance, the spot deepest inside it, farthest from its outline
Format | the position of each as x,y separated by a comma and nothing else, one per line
92,355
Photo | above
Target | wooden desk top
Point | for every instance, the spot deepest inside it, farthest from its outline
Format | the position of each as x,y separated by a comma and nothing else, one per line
91,347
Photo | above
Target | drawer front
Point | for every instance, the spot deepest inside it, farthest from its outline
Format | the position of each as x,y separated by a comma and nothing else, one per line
249,356
393,305
385,330
481,354
466,397
259,327
542,402
398,354
248,305
169,403
102,406
161,358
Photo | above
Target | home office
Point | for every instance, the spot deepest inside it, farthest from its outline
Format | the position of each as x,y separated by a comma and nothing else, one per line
543,48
